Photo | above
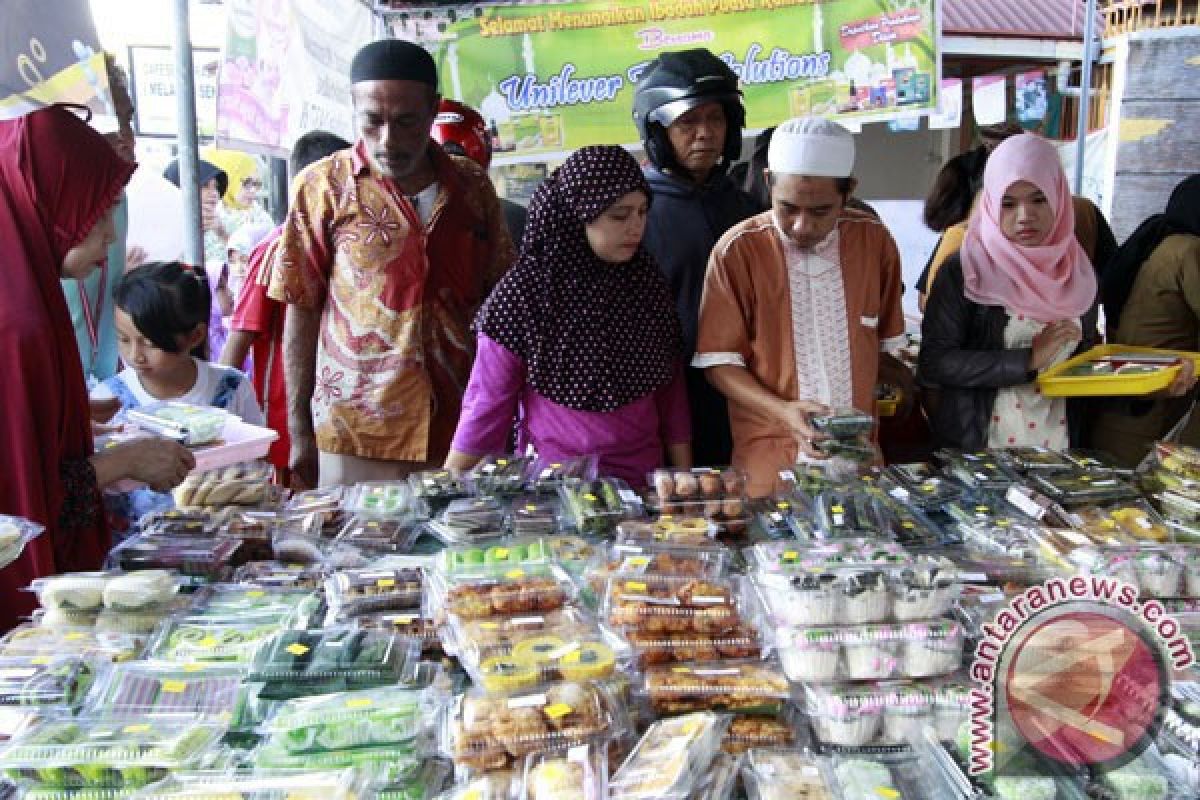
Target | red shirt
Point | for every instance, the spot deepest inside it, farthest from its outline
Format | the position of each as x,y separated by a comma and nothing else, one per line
257,313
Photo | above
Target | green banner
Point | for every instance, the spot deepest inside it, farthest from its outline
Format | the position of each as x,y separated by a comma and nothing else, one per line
554,77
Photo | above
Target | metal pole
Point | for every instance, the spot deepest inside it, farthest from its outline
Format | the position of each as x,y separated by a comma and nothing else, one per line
1085,94
185,106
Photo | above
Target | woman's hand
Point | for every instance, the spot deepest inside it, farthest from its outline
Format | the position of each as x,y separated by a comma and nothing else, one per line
102,409
159,463
1053,339
1184,381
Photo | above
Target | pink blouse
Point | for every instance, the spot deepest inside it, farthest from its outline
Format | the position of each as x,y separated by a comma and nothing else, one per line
628,441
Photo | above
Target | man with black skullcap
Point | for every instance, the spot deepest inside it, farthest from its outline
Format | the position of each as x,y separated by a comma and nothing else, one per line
688,110
387,251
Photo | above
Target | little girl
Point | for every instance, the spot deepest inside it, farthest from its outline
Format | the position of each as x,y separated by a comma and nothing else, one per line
161,315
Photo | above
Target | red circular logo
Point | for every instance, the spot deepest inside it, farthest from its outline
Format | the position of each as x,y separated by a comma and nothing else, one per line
1084,687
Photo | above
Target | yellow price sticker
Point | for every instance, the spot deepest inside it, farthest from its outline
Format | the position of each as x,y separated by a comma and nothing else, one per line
359,702
75,636
40,661
515,574
502,462
404,619
501,552
790,555
531,508
140,728
907,524
635,586
193,667
837,509
385,583
888,792
557,710
256,593
639,561
591,498
173,687
297,649
207,642
783,506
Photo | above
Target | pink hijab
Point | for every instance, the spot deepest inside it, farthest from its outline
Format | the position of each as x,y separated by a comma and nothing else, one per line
1048,282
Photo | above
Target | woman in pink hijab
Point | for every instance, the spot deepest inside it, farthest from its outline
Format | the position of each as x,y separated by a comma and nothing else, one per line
1019,297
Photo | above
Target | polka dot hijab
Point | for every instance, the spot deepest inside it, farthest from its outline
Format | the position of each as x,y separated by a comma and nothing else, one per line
594,336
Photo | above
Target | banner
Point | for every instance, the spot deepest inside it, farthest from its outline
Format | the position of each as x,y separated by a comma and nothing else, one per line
1033,97
552,77
287,71
989,99
152,87
949,114
49,53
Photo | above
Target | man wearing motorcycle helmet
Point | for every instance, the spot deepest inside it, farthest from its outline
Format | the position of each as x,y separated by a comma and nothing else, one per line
460,130
688,111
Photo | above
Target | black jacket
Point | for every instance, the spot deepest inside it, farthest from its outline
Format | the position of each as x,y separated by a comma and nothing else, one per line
963,362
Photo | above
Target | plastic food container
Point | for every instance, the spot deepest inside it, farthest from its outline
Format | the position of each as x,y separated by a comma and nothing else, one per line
868,715
670,759
579,772
234,602
354,592
477,639
48,644
91,591
596,507
95,753
535,515
1109,370
865,779
149,688
380,498
201,560
690,531
15,533
786,774
537,659
909,526
379,536
271,574
1123,523
40,682
546,476
1076,488
500,475
842,514
191,426
1032,460
471,517
507,591
413,624
511,554
307,784
673,603
661,558
718,495
242,484
184,640
752,732
650,649
744,687
982,470
488,732
438,487
843,423
871,652
787,558
338,657
343,720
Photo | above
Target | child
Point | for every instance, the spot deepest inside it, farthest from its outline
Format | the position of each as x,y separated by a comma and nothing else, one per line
161,315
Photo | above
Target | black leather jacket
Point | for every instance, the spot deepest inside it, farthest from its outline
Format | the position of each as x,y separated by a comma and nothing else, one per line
963,362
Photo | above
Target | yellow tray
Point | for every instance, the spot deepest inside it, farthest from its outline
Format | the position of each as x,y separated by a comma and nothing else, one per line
1054,383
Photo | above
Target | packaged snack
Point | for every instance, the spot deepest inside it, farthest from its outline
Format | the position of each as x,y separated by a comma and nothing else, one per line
865,779
871,652
575,554
670,759
85,591
753,732
720,781
201,560
310,784
335,659
673,604
785,774
787,558
584,655
982,470
917,486
142,688
1033,460
366,718
858,451
272,574
98,753
744,687
15,533
951,708
489,732
413,624
911,527
245,484
380,498
472,517
669,529
438,487
323,506
546,476
535,515
186,640
576,773
1082,488
379,536
500,475
234,602
50,643
718,495
843,423
1094,461
405,780
595,507
799,600
855,716
354,592
191,426
181,522
842,514
494,786
35,681
477,639
651,648
661,558
511,554
505,592
1159,574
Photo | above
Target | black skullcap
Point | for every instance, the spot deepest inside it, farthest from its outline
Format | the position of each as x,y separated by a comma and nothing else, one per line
393,60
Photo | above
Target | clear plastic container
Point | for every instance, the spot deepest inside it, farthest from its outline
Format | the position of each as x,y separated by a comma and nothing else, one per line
687,531
596,507
786,774
413,624
843,423
788,558
547,476
740,686
83,591
871,652
1082,488
192,426
341,657
47,644
236,602
1037,460
511,554
857,452
865,779
500,474
578,773
535,515
660,558
379,536
365,718
718,495
481,638
203,560
670,760
438,487
911,527
187,640
15,533
38,682
868,715
98,753
918,485
982,470
1124,523
753,732
308,784
743,641
150,688
180,522
275,574
508,591
380,498
244,484
846,514
673,603
584,655
471,517
354,592
489,732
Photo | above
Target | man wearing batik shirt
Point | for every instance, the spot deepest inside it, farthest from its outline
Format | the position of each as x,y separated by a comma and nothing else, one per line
801,304
388,250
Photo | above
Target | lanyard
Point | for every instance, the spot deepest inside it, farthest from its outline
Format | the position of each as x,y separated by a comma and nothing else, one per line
91,317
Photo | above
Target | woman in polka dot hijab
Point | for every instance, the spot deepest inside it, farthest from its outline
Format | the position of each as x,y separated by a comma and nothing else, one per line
571,334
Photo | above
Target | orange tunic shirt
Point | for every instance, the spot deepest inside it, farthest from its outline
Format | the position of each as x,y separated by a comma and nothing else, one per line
746,310
397,299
